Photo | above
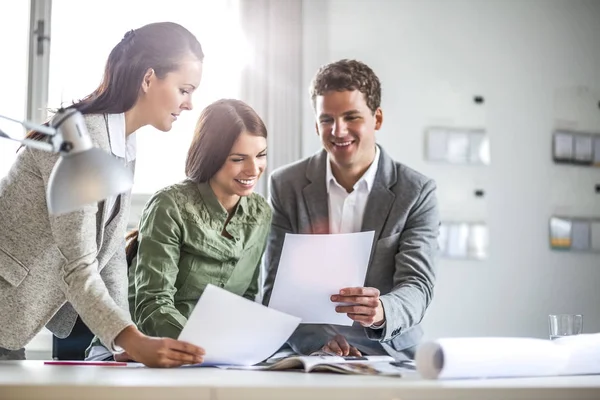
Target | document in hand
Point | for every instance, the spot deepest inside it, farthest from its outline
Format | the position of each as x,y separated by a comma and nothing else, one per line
314,267
493,357
366,365
234,330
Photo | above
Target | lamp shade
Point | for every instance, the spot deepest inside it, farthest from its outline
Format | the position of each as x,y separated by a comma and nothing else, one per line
85,177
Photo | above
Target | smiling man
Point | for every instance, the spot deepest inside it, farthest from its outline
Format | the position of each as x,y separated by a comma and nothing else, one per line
353,185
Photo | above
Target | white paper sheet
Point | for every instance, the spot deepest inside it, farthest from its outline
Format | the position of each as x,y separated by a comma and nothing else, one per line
314,267
234,330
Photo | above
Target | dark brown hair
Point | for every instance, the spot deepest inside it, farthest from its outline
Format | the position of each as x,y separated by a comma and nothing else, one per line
131,246
349,75
160,46
219,126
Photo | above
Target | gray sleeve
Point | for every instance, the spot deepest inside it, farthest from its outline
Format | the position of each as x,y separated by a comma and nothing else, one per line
74,234
415,272
114,275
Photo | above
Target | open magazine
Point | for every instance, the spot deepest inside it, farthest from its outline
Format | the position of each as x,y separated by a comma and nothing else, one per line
504,357
364,365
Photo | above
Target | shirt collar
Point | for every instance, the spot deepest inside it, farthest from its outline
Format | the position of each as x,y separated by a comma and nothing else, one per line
367,179
211,201
121,145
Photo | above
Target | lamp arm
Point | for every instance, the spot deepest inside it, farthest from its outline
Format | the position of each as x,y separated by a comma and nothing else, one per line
53,146
35,144
47,130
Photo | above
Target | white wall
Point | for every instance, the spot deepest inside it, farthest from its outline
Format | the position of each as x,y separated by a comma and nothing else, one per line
516,54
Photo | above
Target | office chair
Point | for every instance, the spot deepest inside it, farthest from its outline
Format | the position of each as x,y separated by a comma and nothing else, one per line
73,346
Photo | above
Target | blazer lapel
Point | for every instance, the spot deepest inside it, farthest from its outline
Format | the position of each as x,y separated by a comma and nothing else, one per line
315,195
100,123
381,197
102,210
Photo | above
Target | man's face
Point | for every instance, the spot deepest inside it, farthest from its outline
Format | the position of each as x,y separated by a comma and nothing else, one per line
347,128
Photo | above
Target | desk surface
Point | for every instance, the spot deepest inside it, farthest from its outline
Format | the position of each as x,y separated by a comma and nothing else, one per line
33,380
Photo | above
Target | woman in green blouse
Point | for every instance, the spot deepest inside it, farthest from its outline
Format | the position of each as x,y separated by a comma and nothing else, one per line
210,228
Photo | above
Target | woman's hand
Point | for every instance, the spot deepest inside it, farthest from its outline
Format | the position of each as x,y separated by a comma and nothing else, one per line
157,352
123,357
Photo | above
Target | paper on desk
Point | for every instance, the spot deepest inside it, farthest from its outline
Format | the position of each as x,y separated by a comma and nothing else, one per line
234,330
505,357
314,267
488,357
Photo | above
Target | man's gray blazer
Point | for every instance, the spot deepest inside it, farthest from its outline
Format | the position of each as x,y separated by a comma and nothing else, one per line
52,265
402,210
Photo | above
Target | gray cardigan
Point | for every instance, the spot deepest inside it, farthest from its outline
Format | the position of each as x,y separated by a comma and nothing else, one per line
55,267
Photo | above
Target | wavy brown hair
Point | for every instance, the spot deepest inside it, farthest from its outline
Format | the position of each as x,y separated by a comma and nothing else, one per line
131,246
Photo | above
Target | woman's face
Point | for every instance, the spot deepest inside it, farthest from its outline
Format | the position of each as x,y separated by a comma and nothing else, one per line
164,99
243,167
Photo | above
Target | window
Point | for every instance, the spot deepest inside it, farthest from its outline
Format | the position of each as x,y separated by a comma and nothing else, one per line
14,27
80,47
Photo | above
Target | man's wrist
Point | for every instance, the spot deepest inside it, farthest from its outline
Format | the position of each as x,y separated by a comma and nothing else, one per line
377,325
381,312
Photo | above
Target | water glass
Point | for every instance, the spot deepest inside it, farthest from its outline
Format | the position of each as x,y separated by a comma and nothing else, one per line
565,325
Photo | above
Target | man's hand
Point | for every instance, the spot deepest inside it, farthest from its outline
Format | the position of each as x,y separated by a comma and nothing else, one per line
339,346
365,306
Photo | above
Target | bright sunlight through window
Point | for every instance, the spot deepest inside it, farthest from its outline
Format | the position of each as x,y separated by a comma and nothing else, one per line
84,32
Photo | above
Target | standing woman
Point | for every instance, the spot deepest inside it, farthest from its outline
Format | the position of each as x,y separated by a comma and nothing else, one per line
56,267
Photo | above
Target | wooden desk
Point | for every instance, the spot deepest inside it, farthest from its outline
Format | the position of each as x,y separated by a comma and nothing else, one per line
33,380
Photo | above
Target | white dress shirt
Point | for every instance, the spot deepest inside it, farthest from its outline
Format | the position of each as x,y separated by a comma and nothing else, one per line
346,210
121,146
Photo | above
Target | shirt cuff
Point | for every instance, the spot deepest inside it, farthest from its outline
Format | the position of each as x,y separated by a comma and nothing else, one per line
98,353
376,327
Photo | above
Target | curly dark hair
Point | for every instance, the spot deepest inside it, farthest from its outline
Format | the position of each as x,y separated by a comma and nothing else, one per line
345,75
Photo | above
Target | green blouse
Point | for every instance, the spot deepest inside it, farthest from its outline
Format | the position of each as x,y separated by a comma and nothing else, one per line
182,249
